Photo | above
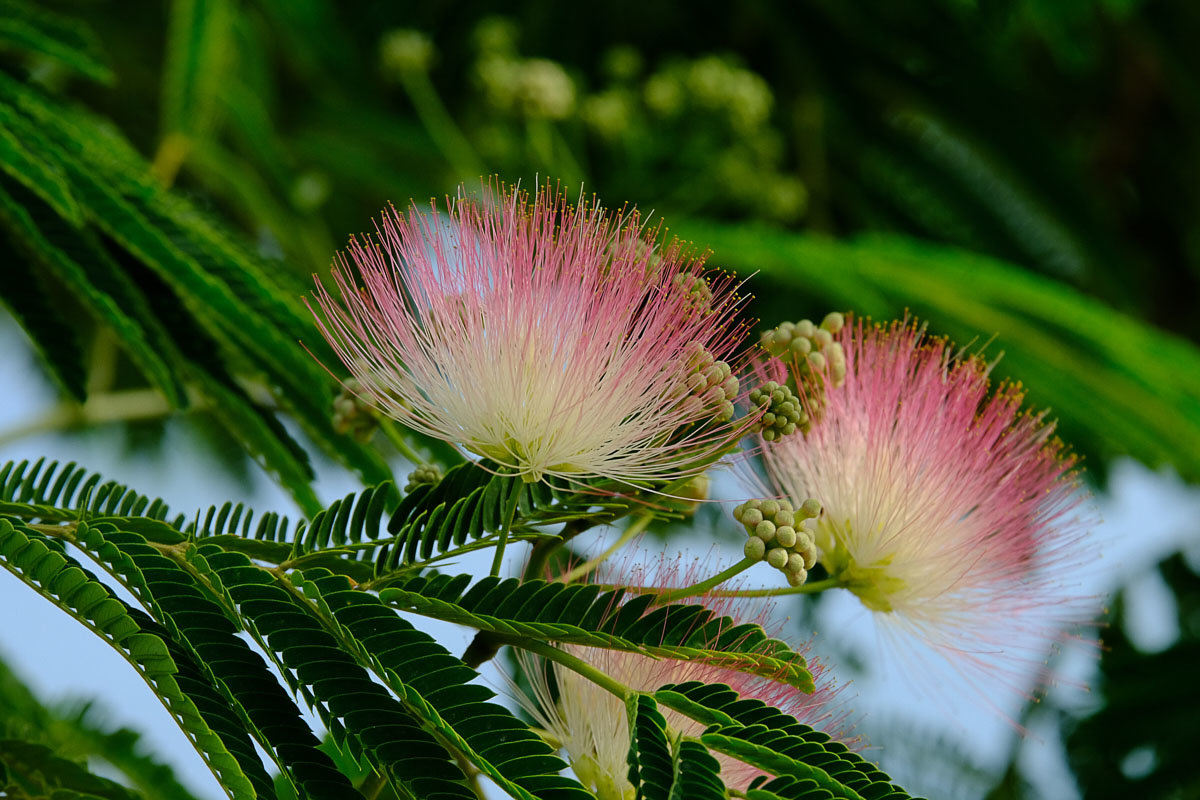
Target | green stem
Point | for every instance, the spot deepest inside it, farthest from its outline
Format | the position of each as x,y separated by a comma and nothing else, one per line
509,514
399,442
705,585
804,588
123,406
545,546
446,135
601,679
635,527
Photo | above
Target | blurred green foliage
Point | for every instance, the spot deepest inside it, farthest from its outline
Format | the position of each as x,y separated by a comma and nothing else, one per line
1018,169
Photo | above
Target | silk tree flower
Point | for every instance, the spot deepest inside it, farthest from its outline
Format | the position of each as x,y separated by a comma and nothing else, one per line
550,338
592,724
948,511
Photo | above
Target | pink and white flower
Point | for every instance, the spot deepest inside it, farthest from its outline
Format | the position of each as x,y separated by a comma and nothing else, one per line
949,511
552,339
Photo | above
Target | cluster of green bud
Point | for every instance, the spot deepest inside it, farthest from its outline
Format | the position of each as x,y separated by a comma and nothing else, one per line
699,295
782,536
811,347
426,473
708,385
783,413
351,415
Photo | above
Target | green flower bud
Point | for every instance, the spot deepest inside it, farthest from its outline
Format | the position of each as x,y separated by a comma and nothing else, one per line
426,473
770,508
797,578
777,557
810,508
765,530
784,516
785,536
755,548
796,563
833,322
822,339
751,517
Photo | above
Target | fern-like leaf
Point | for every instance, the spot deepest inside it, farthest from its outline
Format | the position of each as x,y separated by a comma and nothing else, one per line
581,614
217,734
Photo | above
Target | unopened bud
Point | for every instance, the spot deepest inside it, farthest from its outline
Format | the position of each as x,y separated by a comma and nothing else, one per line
426,473
785,536
810,508
833,322
777,557
765,530
755,548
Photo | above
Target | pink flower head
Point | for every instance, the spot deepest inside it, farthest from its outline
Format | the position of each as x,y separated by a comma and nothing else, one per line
552,339
945,509
592,724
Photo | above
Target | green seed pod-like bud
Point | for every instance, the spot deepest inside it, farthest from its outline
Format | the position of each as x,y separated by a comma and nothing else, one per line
784,516
796,563
810,508
777,557
810,556
801,346
797,578
770,508
805,328
751,517
785,536
755,548
765,530
817,362
738,510
822,339
426,473
833,322
725,411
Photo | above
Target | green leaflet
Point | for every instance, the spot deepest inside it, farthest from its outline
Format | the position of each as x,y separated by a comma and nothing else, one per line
423,671
28,27
78,730
356,710
198,623
80,264
34,769
804,759
38,174
217,734
23,291
51,492
667,769
581,614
